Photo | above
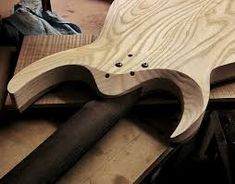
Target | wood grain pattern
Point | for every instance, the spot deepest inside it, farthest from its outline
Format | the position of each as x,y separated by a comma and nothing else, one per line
37,47
182,41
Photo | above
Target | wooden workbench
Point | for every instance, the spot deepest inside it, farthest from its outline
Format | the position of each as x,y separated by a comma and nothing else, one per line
125,154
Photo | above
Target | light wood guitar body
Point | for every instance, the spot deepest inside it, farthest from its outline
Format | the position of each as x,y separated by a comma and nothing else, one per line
179,45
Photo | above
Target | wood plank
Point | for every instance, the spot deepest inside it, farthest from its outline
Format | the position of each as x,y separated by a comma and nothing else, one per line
224,91
116,158
126,153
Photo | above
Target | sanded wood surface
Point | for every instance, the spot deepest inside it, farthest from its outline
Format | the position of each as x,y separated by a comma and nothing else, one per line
37,47
183,43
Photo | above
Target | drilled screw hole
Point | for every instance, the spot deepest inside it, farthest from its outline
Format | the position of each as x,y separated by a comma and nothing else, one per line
132,73
145,65
107,75
119,64
130,55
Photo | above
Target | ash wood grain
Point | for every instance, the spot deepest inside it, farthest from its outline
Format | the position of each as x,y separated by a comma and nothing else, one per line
37,47
183,42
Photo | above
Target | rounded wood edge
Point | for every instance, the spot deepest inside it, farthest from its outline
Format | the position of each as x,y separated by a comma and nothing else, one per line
191,95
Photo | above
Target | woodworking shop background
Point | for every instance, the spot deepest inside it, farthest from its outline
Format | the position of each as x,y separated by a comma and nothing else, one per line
89,15
209,157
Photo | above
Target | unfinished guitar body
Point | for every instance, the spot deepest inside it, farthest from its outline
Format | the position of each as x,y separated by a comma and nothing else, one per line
179,45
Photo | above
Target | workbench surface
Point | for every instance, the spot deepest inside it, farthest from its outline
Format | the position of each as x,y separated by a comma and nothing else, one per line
126,153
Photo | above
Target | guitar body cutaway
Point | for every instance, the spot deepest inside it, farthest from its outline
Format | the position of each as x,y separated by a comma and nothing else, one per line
185,43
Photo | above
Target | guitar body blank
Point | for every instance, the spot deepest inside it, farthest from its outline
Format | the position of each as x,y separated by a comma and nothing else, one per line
184,43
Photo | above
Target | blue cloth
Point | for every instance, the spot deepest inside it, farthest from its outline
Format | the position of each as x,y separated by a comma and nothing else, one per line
30,19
